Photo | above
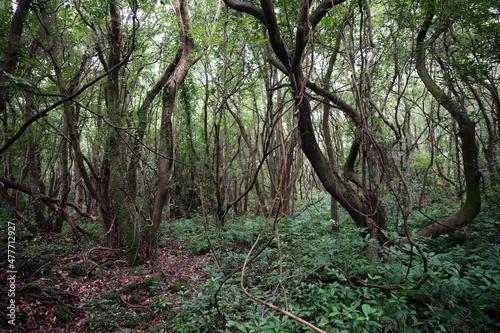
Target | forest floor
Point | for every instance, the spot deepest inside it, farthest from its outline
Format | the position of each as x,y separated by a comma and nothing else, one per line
64,285
77,288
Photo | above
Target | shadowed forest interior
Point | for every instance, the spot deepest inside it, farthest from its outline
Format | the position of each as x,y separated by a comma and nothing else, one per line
250,166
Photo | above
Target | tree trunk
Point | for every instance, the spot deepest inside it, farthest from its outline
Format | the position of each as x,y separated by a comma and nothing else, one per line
332,159
12,53
467,133
11,56
151,233
35,168
55,47
366,212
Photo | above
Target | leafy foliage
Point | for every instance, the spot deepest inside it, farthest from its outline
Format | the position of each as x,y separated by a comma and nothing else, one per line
235,149
310,274
301,266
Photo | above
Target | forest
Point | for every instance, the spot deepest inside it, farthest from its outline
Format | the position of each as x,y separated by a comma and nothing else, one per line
250,166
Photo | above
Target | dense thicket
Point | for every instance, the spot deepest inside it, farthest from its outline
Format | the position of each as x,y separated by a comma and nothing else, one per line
134,112
138,113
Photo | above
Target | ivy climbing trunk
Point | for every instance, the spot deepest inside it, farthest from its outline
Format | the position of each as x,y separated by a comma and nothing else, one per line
113,205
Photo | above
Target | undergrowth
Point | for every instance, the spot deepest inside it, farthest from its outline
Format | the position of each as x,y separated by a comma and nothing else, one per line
328,280
298,264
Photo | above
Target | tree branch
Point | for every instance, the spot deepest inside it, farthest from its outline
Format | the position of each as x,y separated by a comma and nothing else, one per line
6,184
43,113
247,8
322,10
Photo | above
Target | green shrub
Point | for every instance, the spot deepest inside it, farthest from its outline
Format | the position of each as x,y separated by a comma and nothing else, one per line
30,288
197,245
130,320
111,296
78,269
63,314
180,285
307,272
35,268
130,287
154,283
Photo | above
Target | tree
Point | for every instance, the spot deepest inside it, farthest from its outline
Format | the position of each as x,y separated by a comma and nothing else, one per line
365,209
467,133
182,63
395,105
296,35
12,53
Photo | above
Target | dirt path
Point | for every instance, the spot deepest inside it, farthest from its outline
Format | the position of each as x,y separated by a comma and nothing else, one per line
101,294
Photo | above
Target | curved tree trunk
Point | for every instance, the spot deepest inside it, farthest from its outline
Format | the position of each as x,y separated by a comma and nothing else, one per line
467,133
365,210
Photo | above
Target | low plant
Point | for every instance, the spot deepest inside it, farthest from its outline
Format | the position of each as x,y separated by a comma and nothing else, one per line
328,280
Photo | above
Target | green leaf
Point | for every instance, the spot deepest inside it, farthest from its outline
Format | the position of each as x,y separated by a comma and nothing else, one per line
18,80
240,326
324,321
367,309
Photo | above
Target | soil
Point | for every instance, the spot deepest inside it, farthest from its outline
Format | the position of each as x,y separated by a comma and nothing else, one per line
101,292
